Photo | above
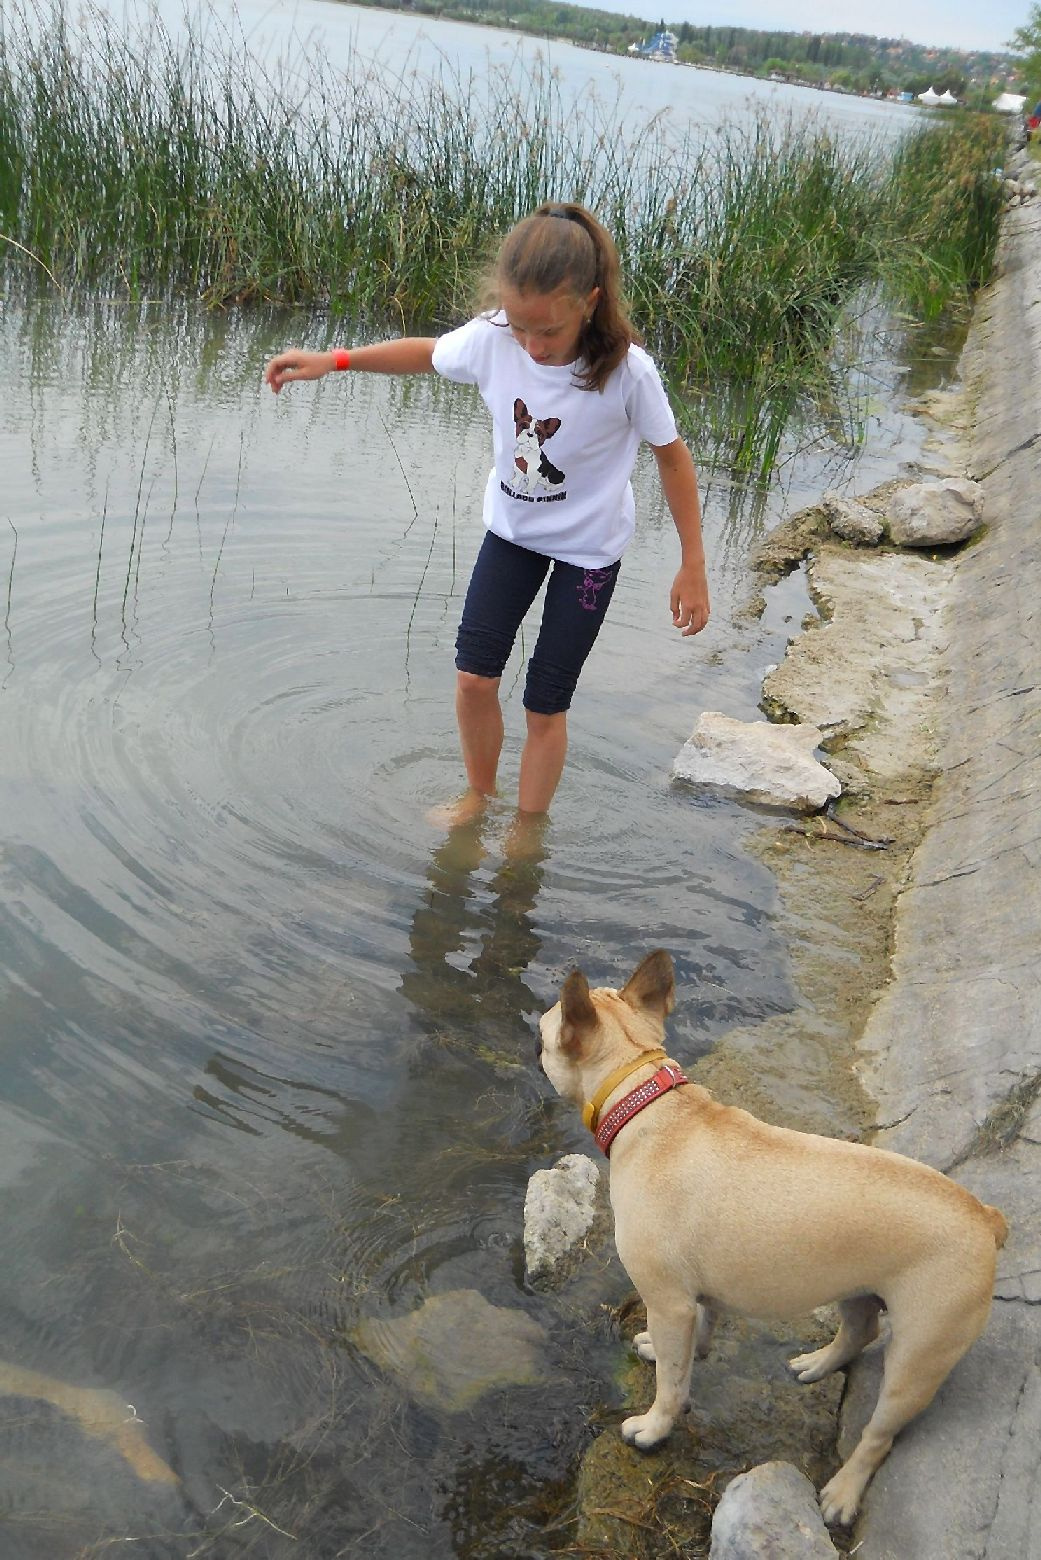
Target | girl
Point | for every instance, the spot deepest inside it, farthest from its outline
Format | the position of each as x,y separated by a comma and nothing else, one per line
571,394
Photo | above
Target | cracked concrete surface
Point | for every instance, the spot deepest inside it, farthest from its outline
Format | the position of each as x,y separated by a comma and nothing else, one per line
952,1050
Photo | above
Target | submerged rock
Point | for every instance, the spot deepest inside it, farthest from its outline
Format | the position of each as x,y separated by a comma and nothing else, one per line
935,514
772,765
100,1412
563,1209
770,1513
455,1348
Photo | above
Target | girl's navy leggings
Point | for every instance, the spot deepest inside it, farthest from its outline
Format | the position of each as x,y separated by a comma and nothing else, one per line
504,583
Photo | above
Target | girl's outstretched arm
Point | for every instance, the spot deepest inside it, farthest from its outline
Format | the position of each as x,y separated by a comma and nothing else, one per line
406,355
688,599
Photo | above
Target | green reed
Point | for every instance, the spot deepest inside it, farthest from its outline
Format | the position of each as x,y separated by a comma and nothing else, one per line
145,163
943,200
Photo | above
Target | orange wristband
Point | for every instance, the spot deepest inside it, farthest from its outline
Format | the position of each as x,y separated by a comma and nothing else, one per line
341,359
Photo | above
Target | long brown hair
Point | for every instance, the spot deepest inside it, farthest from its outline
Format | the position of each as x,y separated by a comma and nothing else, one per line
563,245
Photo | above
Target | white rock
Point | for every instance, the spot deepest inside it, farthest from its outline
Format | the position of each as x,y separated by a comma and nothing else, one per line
935,514
561,1208
770,1513
773,765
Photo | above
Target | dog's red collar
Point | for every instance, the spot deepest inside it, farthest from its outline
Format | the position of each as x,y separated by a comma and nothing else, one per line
666,1078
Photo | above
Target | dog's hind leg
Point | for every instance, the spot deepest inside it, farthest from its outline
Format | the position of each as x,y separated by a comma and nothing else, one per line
704,1327
858,1328
671,1332
924,1348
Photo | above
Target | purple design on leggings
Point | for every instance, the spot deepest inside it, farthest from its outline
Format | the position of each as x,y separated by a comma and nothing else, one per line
593,581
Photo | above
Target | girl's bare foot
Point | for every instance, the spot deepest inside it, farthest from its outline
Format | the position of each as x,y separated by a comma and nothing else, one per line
448,815
526,837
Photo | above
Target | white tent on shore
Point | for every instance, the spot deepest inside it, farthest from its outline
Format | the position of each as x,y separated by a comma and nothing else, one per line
1009,103
929,97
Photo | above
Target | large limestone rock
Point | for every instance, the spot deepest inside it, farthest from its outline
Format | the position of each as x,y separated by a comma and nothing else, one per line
564,1208
772,765
935,514
455,1348
770,1513
865,672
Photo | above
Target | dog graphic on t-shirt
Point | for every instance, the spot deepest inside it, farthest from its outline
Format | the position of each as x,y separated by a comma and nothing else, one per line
533,471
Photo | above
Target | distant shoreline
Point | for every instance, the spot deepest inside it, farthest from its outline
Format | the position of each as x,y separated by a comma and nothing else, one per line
984,72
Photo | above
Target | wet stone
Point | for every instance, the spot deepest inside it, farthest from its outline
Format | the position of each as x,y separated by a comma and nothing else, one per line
770,1513
565,1212
852,521
757,761
455,1348
936,514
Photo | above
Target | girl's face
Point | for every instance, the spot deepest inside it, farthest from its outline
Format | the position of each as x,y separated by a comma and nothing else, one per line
548,325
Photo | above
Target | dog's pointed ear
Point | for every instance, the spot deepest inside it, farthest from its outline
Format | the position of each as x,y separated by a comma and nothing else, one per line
577,1013
652,985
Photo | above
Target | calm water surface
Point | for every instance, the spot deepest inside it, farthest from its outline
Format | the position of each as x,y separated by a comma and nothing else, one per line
268,1036
398,45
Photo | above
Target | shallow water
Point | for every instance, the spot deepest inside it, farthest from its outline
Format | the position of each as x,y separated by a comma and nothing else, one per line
268,1036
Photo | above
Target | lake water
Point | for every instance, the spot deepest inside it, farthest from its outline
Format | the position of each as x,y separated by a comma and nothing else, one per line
268,1078
399,44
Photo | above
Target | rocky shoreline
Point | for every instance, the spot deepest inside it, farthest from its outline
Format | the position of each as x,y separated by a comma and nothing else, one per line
916,919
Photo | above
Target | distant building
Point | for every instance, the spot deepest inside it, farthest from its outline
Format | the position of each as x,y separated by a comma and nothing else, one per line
662,46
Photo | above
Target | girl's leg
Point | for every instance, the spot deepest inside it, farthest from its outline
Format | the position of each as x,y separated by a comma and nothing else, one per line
576,603
479,716
504,583
542,761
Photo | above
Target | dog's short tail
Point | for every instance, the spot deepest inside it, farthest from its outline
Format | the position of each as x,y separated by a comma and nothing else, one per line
998,1223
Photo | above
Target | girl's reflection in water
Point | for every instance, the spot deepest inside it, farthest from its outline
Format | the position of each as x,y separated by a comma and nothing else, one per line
470,947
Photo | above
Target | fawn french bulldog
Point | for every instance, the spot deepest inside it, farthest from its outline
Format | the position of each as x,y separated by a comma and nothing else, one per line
715,1210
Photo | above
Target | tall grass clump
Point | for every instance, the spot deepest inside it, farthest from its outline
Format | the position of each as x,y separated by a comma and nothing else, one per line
147,162
942,200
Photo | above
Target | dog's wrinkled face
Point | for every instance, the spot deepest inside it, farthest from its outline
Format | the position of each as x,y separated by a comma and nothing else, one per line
588,1032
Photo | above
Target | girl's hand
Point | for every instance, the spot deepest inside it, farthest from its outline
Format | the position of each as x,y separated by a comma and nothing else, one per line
689,599
295,364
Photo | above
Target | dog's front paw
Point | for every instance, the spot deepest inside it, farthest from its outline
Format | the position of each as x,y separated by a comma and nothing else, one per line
645,1431
840,1498
644,1347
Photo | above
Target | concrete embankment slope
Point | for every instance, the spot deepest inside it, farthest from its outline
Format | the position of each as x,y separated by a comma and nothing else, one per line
952,1052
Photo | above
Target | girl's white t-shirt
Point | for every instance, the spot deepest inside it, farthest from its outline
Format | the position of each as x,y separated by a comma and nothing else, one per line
563,455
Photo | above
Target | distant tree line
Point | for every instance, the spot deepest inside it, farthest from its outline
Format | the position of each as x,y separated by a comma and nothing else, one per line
853,62
858,60
1026,41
